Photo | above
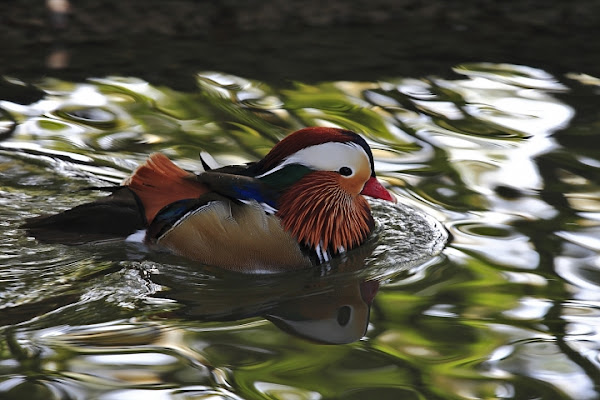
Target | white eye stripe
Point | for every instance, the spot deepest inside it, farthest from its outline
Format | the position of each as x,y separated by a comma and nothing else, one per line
330,156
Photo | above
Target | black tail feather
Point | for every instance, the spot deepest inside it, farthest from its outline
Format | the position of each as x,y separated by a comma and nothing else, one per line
115,216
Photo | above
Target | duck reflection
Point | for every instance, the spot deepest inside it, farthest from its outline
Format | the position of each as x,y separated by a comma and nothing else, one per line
338,316
330,305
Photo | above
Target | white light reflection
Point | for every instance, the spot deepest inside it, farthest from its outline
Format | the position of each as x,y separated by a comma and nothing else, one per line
589,240
42,150
529,308
138,358
542,359
513,101
134,85
278,391
183,392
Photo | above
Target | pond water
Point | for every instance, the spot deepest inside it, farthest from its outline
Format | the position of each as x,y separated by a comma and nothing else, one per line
503,156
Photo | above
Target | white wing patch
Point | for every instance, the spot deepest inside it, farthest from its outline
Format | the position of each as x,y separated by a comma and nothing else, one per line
137,236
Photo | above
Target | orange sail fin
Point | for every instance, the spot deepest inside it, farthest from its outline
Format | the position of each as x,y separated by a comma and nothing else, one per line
159,182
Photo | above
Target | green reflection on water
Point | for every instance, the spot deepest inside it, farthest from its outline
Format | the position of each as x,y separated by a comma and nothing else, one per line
509,310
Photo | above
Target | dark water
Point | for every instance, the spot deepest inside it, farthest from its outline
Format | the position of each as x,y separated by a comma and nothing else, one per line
504,156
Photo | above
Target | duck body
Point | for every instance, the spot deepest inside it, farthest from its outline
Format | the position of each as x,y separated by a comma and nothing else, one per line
299,206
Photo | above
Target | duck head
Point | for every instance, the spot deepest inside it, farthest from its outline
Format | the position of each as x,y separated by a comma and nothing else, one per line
322,175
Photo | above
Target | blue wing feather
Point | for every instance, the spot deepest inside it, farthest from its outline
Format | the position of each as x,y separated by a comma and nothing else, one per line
255,192
239,187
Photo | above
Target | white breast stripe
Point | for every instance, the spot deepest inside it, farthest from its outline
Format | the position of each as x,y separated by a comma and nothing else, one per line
321,253
268,209
191,212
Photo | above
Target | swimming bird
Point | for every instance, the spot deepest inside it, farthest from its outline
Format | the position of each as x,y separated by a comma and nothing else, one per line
303,204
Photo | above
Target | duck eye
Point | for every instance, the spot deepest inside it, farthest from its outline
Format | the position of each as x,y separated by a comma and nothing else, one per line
345,171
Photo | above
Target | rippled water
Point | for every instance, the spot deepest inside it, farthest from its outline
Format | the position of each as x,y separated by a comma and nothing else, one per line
503,155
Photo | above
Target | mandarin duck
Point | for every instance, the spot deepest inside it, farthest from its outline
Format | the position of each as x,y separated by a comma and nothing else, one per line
301,205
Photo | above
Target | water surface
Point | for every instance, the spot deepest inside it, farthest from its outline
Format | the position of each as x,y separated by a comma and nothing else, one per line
501,154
